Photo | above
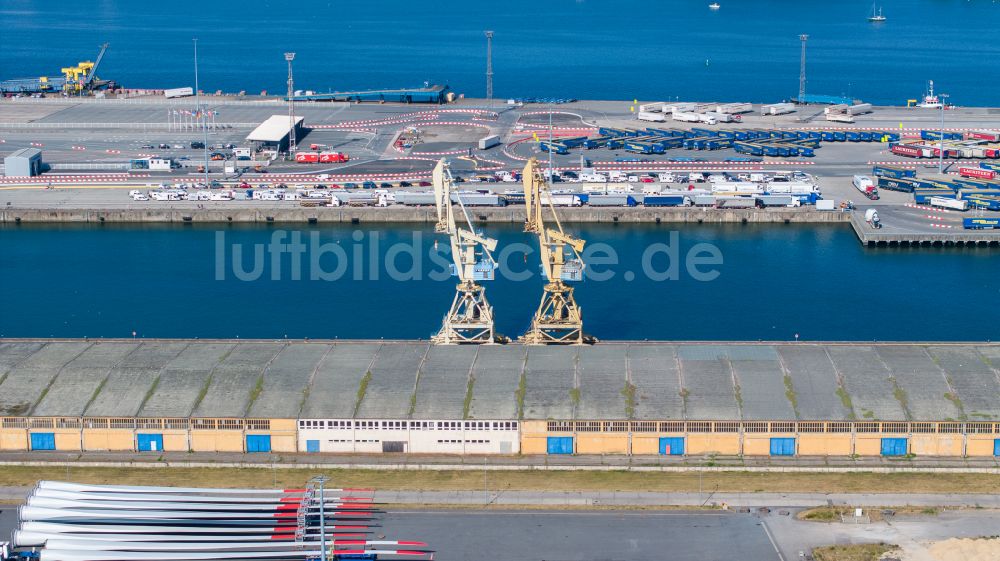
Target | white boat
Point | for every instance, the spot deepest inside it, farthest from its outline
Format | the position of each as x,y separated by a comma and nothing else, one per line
714,6
876,17
930,101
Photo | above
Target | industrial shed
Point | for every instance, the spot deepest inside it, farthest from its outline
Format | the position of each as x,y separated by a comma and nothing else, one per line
26,162
788,399
273,133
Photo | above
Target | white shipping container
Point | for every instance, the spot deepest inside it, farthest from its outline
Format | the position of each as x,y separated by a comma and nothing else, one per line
860,109
839,108
652,116
777,109
682,107
489,142
178,92
686,117
656,107
953,204
734,108
839,118
826,204
720,117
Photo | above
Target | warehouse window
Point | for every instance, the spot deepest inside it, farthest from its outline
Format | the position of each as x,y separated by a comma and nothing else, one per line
700,426
811,426
979,428
122,423
262,424
230,424
895,427
866,427
560,426
782,426
95,423
644,426
671,426
727,426
148,423
41,423
588,426
181,424
68,423
950,428
203,424
923,427
14,423
616,426
838,426
754,426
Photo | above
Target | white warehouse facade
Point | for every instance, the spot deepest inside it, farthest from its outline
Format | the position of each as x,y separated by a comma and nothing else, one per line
417,437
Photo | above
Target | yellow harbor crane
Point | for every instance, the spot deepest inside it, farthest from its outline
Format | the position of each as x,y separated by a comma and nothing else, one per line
558,320
470,319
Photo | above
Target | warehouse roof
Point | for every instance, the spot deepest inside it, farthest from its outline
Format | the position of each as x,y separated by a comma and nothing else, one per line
274,129
415,380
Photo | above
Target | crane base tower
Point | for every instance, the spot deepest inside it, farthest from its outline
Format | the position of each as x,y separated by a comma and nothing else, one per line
470,319
558,319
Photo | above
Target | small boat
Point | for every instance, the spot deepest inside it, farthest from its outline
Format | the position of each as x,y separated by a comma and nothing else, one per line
714,6
876,17
930,101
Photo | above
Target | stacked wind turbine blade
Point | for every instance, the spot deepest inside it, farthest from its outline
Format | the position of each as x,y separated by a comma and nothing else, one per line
75,522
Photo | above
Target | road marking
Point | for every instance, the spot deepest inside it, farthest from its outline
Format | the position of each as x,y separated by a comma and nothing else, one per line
770,538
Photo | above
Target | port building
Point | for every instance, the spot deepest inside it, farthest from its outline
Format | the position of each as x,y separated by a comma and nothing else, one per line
273,133
754,399
26,162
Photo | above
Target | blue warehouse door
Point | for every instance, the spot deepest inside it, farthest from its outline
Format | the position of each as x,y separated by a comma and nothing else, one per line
560,445
43,441
672,446
893,446
782,446
312,446
258,443
149,442
996,447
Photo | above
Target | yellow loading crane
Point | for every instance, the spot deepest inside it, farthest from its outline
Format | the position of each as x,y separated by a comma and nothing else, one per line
470,319
559,319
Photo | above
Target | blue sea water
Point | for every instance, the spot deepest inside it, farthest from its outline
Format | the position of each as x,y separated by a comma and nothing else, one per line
772,283
588,49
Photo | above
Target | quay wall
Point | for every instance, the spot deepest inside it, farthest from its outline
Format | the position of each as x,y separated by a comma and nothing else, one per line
425,215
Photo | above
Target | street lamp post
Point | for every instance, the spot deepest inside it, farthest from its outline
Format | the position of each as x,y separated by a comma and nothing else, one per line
289,57
321,480
944,98
199,111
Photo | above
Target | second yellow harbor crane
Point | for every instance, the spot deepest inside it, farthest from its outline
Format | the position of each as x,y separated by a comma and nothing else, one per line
470,319
559,319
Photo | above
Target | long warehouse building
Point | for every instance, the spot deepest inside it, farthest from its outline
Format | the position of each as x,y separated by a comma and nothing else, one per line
750,399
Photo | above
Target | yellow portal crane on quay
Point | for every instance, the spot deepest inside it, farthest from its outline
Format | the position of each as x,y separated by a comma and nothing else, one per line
470,319
558,319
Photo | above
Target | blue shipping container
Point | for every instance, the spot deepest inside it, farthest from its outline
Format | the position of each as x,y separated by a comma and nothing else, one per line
981,223
149,442
258,443
43,441
672,446
312,446
560,445
893,446
782,446
663,200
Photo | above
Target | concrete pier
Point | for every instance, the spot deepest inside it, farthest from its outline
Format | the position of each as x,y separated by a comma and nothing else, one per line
512,214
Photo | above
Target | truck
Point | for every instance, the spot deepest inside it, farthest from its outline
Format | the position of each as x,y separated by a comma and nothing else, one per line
652,116
981,223
488,142
867,187
561,199
734,108
307,157
707,118
656,107
172,93
664,200
735,202
777,109
977,172
909,151
949,203
893,172
871,217
333,158
720,117
685,117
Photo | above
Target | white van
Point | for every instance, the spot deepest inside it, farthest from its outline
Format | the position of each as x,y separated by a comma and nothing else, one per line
666,178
